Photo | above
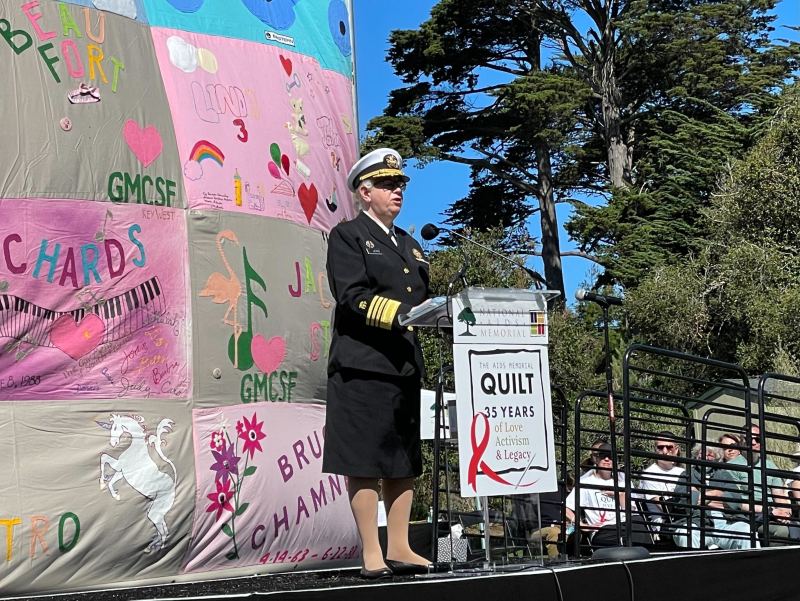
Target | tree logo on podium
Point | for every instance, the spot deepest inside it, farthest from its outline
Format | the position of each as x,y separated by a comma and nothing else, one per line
467,317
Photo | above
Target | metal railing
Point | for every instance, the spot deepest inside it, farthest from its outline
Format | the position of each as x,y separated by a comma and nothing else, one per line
719,499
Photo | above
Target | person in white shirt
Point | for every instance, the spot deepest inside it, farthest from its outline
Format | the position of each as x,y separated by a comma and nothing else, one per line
597,500
659,479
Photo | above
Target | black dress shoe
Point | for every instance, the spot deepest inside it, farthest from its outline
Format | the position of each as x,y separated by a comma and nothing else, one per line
402,568
378,574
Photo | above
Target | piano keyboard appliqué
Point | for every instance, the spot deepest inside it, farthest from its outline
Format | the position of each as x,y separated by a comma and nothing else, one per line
114,319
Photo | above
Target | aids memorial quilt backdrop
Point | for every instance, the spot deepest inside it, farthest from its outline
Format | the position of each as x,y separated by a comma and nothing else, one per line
93,301
95,493
263,316
262,499
169,173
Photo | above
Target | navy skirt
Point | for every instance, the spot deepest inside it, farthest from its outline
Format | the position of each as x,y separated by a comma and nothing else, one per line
372,425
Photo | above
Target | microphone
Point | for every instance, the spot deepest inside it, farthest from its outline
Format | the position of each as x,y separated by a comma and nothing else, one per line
429,231
600,299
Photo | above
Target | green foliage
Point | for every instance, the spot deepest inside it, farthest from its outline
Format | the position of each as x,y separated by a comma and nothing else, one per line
479,93
669,310
576,351
704,76
739,300
642,102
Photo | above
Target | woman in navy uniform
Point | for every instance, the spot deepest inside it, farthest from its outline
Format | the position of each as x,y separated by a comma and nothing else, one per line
377,272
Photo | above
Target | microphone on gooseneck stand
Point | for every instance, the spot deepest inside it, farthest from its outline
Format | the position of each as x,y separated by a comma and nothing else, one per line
429,231
622,552
600,299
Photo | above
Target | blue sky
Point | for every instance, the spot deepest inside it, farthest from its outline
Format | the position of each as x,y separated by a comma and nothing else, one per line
436,186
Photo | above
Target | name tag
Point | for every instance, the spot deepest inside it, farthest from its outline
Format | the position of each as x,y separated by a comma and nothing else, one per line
371,248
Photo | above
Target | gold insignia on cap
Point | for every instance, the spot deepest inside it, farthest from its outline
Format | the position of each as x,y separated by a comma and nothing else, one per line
391,161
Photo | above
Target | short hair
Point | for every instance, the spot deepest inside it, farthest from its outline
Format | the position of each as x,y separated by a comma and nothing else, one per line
666,435
358,201
697,451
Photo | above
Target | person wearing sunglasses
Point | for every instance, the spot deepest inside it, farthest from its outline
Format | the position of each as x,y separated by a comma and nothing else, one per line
597,500
659,478
702,498
779,506
377,272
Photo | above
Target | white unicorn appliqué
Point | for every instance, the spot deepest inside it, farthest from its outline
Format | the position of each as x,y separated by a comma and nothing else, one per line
140,471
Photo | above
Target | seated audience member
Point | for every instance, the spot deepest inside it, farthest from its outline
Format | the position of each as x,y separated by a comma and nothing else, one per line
793,486
777,500
597,500
731,446
711,486
587,465
658,480
526,510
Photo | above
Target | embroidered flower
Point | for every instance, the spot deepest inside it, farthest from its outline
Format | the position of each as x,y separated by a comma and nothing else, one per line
217,440
250,432
221,498
227,462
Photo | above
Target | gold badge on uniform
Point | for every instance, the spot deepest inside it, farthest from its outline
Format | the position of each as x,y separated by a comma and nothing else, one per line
371,250
362,305
418,255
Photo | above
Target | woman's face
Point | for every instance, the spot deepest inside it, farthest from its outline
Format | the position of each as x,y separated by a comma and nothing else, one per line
729,448
385,199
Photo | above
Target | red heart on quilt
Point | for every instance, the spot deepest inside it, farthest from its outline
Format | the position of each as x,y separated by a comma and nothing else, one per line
287,64
308,200
77,339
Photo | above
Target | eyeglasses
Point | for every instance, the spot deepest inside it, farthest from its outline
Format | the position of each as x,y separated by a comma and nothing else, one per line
665,447
390,184
729,447
601,456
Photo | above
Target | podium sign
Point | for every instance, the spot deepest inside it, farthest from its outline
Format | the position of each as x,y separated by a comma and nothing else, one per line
503,402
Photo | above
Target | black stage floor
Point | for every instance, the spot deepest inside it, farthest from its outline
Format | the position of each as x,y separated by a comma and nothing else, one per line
758,575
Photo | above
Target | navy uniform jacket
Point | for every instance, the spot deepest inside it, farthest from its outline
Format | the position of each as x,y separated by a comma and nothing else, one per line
373,282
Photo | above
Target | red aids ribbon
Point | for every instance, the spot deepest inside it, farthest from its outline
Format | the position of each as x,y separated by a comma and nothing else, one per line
478,449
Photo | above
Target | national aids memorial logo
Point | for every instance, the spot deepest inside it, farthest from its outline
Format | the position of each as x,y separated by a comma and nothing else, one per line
467,317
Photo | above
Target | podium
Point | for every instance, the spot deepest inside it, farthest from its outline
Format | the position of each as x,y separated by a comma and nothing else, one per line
502,383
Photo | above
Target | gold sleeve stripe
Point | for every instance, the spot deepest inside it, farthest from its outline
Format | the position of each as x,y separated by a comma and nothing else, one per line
382,300
374,309
388,313
371,311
